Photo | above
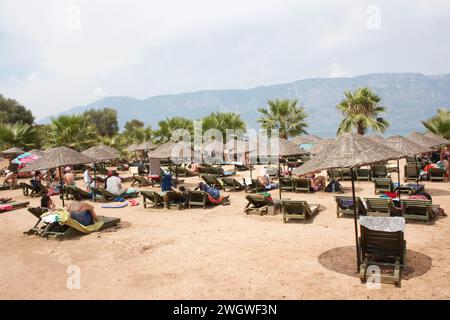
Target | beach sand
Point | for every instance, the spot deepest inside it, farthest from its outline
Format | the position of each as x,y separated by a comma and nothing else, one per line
217,253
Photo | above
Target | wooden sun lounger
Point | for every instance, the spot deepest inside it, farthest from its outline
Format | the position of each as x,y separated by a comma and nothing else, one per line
153,198
286,184
15,205
411,173
141,181
200,198
29,191
8,187
302,184
437,174
232,184
383,185
379,207
212,181
363,174
382,249
257,203
73,190
379,171
105,195
344,206
418,210
255,186
293,209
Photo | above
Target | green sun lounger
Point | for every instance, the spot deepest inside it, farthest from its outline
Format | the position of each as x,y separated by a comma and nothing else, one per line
379,207
152,199
418,210
293,209
212,181
286,184
105,195
411,172
344,206
302,185
257,203
13,205
231,184
437,174
383,185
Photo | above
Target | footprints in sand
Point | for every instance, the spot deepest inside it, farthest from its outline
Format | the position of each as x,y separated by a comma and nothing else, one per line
130,248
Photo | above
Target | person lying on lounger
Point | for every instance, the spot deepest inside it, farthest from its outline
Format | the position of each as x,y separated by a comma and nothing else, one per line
10,178
213,192
179,196
81,211
317,182
264,179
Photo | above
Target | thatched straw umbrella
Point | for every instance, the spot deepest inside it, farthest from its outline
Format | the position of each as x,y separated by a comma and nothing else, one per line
406,148
110,149
211,147
376,138
12,152
306,139
144,146
37,152
422,139
439,139
57,158
172,151
350,151
321,145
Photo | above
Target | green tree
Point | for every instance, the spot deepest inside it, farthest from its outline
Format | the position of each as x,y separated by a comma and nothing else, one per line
168,126
104,120
284,115
13,112
71,131
361,112
17,135
223,121
440,123
136,132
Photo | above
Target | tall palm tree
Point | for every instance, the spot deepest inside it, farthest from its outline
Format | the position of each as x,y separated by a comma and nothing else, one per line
361,112
71,131
440,123
223,121
17,135
284,115
137,134
168,126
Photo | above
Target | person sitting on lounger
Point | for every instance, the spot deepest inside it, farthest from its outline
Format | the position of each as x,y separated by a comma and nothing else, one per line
10,178
317,182
114,185
264,179
213,192
82,212
69,177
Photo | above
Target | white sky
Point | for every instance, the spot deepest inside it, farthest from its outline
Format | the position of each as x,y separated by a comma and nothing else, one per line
58,54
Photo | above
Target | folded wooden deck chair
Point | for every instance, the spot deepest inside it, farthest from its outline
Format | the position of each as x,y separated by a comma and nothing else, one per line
363,174
293,209
418,210
185,172
152,198
379,207
13,205
201,198
335,174
344,205
286,184
411,172
72,191
105,195
141,181
379,171
232,184
383,185
302,185
66,227
437,174
257,203
212,181
382,244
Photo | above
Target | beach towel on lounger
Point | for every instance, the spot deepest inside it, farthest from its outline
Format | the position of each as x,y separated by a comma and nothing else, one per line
63,218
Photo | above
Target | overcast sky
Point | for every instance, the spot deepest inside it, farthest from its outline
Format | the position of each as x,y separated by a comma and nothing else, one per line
58,54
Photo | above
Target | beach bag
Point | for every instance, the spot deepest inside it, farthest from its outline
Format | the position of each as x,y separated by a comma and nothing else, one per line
334,186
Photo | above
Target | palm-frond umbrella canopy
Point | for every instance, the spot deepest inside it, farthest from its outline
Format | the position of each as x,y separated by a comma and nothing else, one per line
439,139
110,149
322,144
350,151
58,157
305,139
172,150
12,151
422,139
99,154
144,146
405,146
37,152
287,148
376,138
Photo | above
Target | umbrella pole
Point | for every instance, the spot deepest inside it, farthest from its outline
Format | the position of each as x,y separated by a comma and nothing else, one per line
358,259
61,185
95,183
279,178
417,170
398,175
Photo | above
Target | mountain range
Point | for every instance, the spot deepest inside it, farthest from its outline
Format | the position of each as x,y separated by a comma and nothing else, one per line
408,97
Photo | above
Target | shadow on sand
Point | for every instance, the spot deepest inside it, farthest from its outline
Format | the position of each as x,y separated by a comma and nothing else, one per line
343,260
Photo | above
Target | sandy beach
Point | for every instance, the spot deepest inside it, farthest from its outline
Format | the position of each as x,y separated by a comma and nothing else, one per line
218,253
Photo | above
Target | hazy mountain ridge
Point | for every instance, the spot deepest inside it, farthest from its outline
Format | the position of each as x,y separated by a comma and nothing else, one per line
409,97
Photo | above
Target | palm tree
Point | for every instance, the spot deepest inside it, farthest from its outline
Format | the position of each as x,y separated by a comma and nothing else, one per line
284,115
71,131
223,121
440,123
137,134
361,111
17,135
168,126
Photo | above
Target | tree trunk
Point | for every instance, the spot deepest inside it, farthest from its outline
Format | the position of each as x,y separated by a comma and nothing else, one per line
361,130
